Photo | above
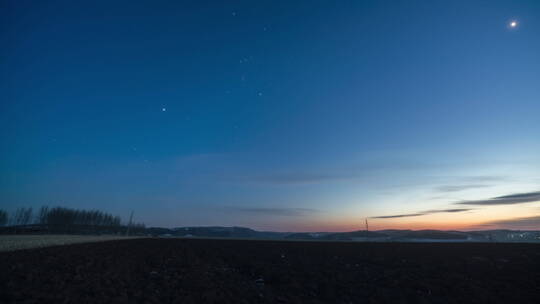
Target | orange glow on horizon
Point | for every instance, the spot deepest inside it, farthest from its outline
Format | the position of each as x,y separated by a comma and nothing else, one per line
477,219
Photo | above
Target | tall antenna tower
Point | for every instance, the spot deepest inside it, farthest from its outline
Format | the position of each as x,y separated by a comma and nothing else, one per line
129,224
367,226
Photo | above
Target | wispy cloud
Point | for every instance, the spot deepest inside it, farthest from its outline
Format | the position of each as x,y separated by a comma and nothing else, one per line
511,199
276,211
454,210
397,215
532,223
456,188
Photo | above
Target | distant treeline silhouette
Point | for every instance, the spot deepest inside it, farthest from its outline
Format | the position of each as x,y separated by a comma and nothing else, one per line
64,220
3,218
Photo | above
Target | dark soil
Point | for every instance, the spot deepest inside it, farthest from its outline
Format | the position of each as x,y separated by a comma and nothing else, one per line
236,271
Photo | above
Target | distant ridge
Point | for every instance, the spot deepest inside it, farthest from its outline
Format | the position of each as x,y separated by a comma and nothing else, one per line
360,235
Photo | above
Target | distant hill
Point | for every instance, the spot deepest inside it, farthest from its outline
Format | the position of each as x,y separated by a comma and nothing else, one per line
215,231
355,235
360,235
426,234
240,232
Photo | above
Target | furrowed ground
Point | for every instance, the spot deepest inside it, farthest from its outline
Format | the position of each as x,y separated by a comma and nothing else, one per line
237,271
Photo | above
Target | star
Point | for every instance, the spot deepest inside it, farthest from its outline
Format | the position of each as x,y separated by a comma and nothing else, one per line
163,109
513,24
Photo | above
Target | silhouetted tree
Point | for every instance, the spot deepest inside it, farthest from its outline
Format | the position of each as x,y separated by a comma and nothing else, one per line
42,216
61,219
3,218
60,216
27,216
23,216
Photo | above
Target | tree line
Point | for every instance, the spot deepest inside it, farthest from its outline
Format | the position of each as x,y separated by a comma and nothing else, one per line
66,219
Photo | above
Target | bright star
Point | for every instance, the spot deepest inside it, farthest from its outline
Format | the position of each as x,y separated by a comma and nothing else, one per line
513,24
163,109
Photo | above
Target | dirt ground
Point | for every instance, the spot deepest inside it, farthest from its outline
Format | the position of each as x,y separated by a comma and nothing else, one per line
16,242
236,271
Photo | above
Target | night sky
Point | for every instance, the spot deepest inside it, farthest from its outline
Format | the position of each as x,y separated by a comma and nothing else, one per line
275,115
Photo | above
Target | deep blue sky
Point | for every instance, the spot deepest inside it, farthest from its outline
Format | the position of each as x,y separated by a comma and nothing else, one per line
282,115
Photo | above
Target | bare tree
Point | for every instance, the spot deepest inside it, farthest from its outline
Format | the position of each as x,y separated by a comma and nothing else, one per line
42,216
3,218
62,219
68,217
27,216
23,216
